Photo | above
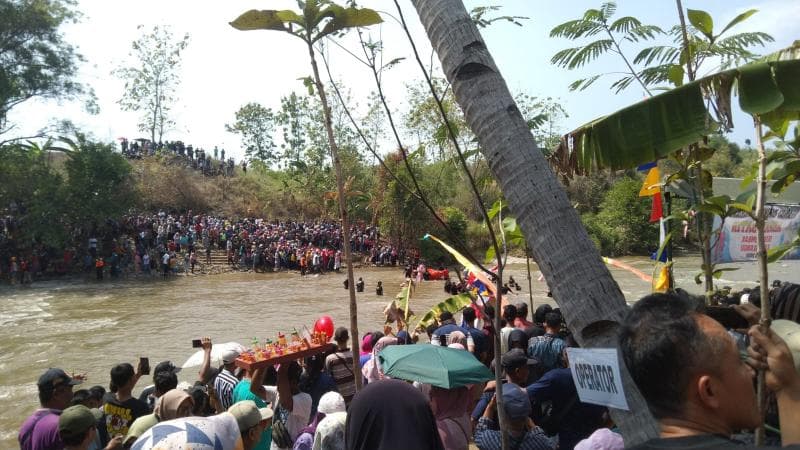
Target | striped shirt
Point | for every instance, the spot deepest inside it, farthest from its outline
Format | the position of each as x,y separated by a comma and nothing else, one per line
224,385
340,366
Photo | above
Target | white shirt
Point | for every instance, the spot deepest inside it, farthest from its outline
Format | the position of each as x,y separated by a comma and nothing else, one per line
300,414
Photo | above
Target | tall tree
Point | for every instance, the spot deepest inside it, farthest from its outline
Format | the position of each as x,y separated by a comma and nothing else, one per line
320,19
35,60
152,78
587,294
255,124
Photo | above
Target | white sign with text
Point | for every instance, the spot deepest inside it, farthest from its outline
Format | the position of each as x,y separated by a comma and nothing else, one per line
597,376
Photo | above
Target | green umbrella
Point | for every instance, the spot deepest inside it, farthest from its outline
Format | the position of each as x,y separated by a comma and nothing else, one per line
439,366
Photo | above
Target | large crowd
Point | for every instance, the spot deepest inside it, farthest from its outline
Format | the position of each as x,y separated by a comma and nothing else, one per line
689,368
166,244
197,159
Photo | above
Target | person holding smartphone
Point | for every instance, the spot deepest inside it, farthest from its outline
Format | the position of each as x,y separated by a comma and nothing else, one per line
119,406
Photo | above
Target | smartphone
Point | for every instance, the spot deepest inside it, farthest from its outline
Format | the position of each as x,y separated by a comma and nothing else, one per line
196,343
144,364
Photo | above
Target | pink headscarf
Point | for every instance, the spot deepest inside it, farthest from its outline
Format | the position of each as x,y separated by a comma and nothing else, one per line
366,344
451,409
372,369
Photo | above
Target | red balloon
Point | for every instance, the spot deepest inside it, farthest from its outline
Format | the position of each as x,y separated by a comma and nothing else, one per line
324,325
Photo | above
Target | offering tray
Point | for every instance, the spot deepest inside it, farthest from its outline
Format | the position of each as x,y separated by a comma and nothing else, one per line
251,364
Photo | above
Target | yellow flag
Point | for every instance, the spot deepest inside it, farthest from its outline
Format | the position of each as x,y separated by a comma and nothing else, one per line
651,184
662,283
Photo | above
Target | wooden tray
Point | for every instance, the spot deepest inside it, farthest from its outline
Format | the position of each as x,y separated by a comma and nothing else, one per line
284,358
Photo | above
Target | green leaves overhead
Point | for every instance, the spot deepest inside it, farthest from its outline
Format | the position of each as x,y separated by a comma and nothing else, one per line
453,304
702,21
306,26
660,125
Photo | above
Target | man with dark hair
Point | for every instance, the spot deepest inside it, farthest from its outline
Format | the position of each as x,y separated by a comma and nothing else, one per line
165,378
509,315
694,379
252,421
40,429
479,339
120,407
521,321
292,407
547,349
447,325
340,365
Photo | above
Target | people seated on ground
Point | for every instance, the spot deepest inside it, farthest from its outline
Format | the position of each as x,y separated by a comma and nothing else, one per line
391,415
172,404
226,380
120,407
694,379
77,427
315,381
447,325
340,365
568,418
521,321
522,433
252,422
547,349
165,378
292,407
360,285
329,433
40,430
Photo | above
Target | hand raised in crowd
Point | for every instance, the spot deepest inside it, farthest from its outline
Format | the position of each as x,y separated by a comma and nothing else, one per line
205,343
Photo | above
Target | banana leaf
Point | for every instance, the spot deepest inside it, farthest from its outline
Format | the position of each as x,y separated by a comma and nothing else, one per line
660,125
453,304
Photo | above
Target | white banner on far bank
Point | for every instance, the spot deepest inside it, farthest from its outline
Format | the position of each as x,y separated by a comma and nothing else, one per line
736,240
597,376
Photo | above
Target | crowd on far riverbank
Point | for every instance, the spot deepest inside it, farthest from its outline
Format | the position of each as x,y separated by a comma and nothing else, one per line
166,244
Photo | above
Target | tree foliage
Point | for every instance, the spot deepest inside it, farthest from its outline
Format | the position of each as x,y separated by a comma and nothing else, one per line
255,124
151,79
35,60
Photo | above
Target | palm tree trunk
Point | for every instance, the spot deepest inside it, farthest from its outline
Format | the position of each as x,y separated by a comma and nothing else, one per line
587,294
342,200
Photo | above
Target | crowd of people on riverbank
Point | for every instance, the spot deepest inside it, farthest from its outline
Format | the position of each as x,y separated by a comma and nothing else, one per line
166,244
702,398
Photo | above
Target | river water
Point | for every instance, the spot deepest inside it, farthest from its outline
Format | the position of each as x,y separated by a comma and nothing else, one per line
88,326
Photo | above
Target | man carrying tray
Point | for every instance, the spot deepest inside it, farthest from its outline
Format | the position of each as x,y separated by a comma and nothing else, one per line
292,407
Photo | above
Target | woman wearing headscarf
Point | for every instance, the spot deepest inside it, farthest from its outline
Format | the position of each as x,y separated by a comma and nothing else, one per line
391,415
451,409
372,369
330,431
173,404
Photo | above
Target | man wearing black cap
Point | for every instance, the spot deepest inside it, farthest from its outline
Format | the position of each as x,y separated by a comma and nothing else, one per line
516,364
40,430
522,432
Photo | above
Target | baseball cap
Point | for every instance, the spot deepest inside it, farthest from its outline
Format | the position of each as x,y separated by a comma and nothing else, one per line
248,415
230,356
166,366
516,401
515,358
789,331
75,420
55,377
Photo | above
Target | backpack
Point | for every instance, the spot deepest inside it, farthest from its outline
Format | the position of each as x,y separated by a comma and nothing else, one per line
280,433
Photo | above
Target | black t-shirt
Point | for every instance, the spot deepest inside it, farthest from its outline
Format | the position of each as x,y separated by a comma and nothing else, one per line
120,415
700,441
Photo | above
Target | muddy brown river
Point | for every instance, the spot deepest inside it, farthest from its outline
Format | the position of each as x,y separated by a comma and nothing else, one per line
88,326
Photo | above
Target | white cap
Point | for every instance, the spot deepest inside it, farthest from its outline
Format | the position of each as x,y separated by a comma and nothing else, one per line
230,356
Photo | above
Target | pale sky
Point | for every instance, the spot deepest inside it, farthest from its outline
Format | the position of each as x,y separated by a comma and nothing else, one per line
224,68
